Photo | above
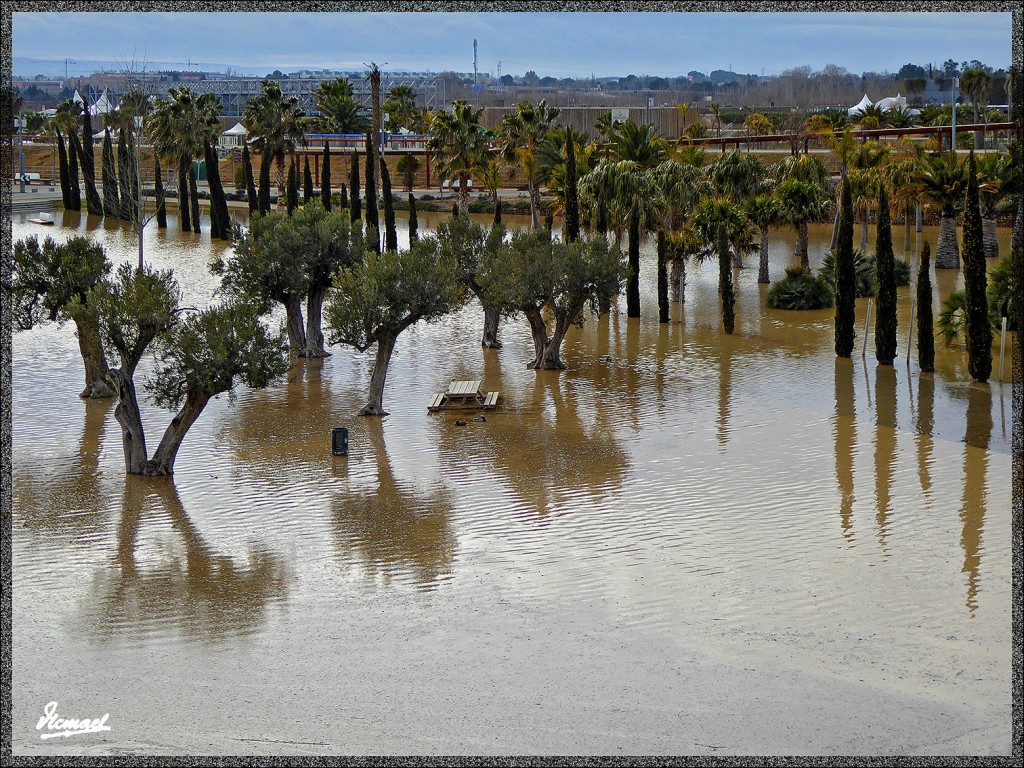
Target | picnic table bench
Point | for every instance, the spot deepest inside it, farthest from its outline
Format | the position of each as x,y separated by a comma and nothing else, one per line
463,394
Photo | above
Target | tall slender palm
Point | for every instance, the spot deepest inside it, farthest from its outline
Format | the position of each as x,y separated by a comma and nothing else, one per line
998,177
801,203
679,187
522,133
722,226
628,193
276,126
458,144
943,181
904,191
765,212
976,84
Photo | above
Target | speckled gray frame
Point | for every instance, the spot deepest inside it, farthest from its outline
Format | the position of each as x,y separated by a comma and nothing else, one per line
7,170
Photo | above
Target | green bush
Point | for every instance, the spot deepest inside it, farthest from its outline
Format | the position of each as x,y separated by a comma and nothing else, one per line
1000,295
950,324
800,290
866,278
864,267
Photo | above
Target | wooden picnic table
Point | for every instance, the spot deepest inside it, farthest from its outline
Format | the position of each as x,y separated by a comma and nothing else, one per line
463,394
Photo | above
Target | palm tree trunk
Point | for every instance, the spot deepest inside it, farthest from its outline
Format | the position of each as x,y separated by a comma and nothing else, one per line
801,245
663,305
864,229
990,243
184,211
762,269
947,251
193,194
633,283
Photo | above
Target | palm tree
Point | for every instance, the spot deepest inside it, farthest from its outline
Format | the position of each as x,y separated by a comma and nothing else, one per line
457,145
943,181
721,225
339,111
180,129
802,202
401,108
976,84
901,179
765,212
678,186
522,133
998,177
276,126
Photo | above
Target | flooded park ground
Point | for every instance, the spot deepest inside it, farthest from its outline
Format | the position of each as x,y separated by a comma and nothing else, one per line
686,543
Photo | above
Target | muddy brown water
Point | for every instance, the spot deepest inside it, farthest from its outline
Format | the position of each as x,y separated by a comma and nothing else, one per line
686,543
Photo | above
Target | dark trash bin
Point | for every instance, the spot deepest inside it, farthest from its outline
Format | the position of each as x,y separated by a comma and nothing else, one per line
339,441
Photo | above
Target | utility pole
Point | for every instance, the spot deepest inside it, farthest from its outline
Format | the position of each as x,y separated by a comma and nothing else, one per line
952,136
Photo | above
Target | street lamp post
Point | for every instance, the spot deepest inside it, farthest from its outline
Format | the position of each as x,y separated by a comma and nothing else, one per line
21,150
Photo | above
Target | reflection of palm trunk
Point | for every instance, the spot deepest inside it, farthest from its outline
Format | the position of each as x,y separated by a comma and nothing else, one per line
925,424
885,446
724,395
846,442
972,510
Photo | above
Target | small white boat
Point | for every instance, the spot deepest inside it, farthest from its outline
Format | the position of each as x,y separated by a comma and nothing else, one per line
46,219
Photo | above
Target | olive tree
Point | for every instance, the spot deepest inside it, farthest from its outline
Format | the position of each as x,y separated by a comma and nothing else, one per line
552,283
470,243
55,282
199,356
377,298
285,259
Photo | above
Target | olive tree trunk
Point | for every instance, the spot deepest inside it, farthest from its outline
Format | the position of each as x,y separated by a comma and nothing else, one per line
96,371
296,331
490,338
539,331
375,402
314,346
133,438
163,460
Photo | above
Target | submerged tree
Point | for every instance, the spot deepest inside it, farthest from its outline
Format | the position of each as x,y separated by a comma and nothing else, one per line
55,282
552,283
111,199
372,217
87,162
943,181
287,259
413,221
199,357
472,247
977,325
376,299
161,203
846,292
925,331
885,329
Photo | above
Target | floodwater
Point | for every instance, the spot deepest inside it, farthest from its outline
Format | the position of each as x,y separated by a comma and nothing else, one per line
686,543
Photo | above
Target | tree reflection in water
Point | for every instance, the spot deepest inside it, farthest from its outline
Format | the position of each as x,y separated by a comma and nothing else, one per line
972,509
885,448
69,503
205,596
845,430
544,451
394,531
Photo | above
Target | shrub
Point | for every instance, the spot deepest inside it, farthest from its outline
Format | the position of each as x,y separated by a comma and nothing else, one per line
864,267
800,290
951,319
1000,295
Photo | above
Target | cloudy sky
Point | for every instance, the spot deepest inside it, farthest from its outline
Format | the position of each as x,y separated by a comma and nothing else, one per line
558,44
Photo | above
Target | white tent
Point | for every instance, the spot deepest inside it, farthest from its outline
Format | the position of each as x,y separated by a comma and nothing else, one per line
233,136
861,106
102,105
892,102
